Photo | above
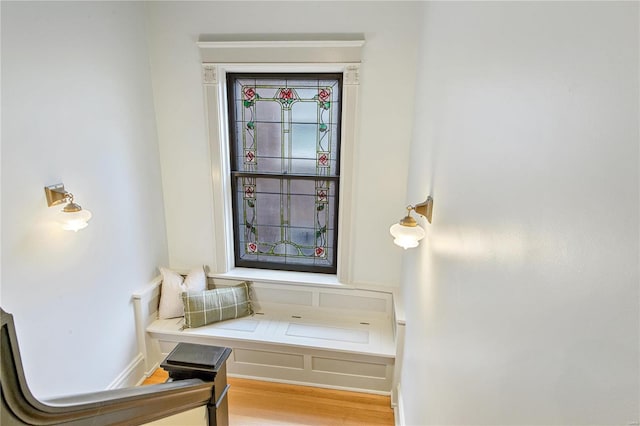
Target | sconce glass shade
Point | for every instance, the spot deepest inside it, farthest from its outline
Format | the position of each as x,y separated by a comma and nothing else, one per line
406,236
407,233
73,217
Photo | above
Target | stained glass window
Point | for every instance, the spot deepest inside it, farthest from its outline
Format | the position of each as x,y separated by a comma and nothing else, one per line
285,157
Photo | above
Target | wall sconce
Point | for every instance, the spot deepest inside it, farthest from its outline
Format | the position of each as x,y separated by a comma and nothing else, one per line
407,232
72,216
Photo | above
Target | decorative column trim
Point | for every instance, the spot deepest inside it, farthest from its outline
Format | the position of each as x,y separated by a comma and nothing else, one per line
209,74
352,75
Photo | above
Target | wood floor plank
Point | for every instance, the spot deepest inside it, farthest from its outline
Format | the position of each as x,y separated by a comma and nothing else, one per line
253,403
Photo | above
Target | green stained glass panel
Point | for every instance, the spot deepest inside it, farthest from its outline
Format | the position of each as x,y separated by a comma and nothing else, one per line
285,157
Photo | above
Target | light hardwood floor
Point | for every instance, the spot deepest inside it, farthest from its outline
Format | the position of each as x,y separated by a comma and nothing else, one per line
257,403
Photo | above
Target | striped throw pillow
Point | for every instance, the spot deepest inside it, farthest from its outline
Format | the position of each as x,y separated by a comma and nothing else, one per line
209,306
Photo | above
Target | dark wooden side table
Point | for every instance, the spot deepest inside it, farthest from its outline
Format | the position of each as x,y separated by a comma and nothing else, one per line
209,363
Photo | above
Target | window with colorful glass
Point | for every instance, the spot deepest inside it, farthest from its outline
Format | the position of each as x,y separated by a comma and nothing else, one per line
285,158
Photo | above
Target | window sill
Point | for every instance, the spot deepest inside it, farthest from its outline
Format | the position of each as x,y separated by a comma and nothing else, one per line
282,277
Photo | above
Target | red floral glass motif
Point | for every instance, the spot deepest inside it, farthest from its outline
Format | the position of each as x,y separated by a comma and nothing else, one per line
319,252
321,194
249,93
249,157
249,191
286,94
324,94
323,159
252,247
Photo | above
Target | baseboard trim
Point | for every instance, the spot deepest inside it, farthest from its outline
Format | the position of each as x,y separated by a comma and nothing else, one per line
131,375
310,384
398,409
148,373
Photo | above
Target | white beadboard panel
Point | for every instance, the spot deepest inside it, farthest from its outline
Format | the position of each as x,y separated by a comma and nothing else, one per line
328,333
166,347
276,295
292,343
342,370
333,365
274,359
361,303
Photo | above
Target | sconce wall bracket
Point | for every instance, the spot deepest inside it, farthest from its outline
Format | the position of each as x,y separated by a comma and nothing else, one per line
56,194
425,209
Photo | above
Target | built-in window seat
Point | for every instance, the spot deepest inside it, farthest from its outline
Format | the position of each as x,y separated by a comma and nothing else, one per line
330,337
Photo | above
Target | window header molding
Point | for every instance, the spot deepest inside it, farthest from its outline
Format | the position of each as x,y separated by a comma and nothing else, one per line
265,44
282,48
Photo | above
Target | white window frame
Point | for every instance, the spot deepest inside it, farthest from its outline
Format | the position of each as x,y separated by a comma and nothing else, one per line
215,93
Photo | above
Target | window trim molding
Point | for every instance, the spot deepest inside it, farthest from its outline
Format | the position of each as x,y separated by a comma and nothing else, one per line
216,119
270,44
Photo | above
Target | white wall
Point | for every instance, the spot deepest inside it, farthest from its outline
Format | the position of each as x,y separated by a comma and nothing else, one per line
77,108
387,83
522,302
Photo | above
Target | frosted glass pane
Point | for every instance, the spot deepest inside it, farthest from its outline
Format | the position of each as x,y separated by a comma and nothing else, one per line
268,234
307,93
303,187
304,140
335,113
266,92
297,166
269,111
302,82
240,111
270,165
268,139
303,236
268,209
303,210
268,186
271,82
305,112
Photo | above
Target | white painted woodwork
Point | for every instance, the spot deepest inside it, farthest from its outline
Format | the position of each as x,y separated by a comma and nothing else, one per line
224,50
296,335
